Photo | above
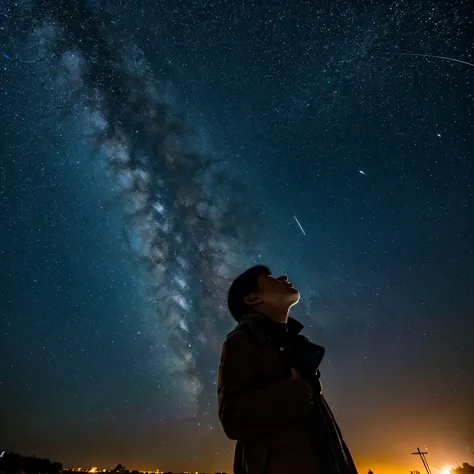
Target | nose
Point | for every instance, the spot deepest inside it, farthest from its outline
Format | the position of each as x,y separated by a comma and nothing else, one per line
283,278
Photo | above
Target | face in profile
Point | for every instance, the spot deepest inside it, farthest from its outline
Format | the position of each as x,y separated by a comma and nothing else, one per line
276,292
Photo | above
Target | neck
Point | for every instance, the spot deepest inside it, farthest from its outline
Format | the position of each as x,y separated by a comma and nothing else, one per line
279,315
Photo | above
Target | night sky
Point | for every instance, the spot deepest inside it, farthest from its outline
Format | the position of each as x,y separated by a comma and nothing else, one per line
150,151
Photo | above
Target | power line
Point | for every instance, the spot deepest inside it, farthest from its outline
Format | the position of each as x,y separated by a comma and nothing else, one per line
423,459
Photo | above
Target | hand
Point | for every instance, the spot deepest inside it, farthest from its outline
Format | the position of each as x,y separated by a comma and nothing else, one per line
295,375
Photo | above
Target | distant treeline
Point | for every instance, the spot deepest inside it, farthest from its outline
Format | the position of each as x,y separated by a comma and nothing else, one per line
465,468
11,463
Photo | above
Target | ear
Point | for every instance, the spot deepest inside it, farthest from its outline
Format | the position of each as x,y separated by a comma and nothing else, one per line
253,299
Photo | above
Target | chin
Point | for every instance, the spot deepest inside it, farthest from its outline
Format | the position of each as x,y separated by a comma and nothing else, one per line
294,296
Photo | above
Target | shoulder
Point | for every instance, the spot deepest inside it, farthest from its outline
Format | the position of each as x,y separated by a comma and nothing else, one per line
240,336
240,341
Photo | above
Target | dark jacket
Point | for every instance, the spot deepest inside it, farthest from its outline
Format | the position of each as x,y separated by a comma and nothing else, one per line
277,427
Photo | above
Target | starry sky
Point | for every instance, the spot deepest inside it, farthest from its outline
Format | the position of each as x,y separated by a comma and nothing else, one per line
152,150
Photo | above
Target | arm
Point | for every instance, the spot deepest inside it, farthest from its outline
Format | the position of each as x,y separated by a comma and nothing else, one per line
246,412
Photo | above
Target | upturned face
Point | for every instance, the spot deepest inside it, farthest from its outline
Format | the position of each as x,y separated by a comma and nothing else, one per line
276,292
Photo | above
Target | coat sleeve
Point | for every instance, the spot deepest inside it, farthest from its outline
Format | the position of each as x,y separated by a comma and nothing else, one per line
244,411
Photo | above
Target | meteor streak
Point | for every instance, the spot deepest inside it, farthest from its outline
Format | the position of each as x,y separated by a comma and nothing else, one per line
299,225
433,56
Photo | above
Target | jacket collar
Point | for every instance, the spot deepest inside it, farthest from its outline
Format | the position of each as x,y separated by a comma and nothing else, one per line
255,322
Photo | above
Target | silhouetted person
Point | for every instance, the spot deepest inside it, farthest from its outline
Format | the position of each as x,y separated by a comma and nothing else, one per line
269,394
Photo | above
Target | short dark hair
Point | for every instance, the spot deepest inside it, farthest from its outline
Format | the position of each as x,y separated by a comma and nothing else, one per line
241,287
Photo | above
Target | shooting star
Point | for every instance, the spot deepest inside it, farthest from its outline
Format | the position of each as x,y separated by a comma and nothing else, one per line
433,56
362,172
299,225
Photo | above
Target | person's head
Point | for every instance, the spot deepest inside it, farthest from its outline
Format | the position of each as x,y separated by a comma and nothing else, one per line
256,290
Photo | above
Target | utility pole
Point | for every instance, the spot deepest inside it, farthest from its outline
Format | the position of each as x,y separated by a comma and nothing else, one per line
423,459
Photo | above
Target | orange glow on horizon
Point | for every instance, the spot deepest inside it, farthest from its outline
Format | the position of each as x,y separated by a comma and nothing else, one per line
446,470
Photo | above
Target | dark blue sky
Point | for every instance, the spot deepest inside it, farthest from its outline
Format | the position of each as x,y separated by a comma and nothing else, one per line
110,337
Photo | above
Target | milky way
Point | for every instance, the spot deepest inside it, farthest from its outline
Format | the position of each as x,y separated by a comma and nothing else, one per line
182,213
